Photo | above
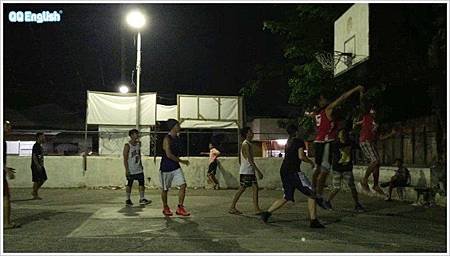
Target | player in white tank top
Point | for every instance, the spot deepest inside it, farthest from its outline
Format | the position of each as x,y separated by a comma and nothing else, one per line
133,167
247,171
246,167
134,159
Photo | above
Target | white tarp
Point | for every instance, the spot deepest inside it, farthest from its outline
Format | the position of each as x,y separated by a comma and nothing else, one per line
113,138
120,109
12,147
26,148
202,111
200,124
164,112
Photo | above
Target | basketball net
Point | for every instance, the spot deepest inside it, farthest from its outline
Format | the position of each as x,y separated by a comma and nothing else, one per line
330,60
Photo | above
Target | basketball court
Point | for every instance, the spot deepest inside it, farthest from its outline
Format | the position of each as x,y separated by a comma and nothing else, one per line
97,221
84,220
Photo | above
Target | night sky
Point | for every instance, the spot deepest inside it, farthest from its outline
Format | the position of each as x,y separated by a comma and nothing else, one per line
187,48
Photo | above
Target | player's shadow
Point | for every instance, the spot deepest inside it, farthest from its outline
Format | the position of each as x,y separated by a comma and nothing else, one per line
22,200
229,180
203,242
45,215
132,211
324,220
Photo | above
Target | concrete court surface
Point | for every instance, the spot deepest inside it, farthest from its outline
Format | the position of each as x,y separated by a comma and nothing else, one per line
89,221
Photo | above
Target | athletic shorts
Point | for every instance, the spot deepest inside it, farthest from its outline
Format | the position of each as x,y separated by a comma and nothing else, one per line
139,177
175,177
322,155
370,151
212,168
247,180
295,180
38,175
346,176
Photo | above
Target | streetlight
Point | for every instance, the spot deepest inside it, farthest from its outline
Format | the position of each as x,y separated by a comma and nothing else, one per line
123,89
136,20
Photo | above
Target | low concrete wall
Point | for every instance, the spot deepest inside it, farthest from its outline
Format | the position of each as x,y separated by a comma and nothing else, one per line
67,172
62,171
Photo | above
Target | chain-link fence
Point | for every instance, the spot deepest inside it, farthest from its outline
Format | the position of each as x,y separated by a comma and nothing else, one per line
417,148
111,142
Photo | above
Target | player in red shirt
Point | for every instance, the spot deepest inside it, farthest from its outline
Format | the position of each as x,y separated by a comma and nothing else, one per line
367,140
326,134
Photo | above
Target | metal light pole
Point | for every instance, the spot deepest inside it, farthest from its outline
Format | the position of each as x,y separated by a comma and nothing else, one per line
137,20
138,80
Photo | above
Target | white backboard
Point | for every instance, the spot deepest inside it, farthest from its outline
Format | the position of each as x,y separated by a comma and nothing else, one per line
351,35
204,111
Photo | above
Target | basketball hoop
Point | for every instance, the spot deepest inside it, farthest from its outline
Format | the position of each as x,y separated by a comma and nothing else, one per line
330,60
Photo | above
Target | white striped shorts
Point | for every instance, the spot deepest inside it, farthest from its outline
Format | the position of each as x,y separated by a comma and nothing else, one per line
370,151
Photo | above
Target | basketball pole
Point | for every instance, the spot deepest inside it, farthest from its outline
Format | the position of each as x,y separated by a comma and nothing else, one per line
138,80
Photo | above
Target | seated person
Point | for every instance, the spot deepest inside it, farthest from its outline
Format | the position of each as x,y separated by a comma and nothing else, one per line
401,178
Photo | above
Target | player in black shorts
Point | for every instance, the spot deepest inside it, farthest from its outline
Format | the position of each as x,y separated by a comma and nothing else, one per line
293,178
39,175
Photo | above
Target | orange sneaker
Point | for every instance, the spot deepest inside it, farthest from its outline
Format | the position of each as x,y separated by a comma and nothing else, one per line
182,211
167,211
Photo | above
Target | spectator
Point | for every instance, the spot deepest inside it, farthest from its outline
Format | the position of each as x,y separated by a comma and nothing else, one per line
401,178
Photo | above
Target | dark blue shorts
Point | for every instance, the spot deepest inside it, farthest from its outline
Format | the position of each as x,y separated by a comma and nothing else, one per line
295,180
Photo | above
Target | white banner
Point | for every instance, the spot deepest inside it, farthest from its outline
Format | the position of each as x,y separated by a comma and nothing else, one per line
120,109
200,124
165,112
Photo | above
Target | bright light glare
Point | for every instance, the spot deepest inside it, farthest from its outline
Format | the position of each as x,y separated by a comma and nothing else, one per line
123,89
136,19
281,142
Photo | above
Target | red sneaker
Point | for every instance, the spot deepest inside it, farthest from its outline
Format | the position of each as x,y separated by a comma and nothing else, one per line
182,211
167,211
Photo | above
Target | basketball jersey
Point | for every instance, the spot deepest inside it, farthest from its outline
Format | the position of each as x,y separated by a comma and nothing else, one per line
368,129
167,164
326,128
134,159
246,167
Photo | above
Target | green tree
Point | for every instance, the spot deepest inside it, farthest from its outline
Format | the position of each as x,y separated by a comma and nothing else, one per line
437,70
304,30
406,75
